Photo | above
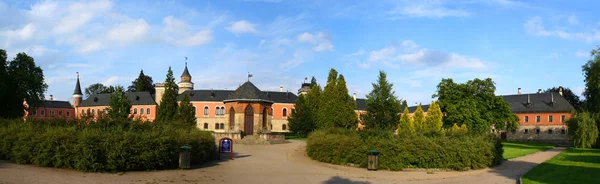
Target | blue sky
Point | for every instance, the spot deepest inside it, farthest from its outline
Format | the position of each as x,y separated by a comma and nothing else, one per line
527,44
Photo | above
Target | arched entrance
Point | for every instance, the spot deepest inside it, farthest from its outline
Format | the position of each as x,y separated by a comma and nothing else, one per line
231,118
249,120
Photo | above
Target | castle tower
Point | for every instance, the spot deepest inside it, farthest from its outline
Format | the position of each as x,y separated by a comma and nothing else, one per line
186,81
77,95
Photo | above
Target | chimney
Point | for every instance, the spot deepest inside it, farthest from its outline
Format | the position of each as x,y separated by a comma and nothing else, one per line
560,91
51,97
354,96
280,88
539,91
552,100
519,91
528,100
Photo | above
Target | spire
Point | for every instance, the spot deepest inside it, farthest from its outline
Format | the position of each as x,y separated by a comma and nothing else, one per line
185,76
77,87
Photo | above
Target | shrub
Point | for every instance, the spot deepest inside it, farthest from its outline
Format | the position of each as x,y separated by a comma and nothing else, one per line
102,146
435,150
583,130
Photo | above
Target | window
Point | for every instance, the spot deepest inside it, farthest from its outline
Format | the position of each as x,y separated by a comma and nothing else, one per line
141,110
68,114
550,131
283,127
563,131
147,110
537,131
222,126
33,112
222,110
550,118
93,111
52,113
526,131
216,126
537,119
134,111
526,119
562,118
217,111
205,125
88,111
82,112
59,113
43,113
284,112
206,111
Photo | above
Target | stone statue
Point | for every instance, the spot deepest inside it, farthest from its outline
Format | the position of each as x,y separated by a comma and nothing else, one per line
25,109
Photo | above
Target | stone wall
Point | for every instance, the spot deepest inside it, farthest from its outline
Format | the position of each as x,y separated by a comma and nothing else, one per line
277,125
551,134
231,135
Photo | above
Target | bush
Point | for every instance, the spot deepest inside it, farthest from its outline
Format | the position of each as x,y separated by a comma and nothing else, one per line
583,130
434,150
111,146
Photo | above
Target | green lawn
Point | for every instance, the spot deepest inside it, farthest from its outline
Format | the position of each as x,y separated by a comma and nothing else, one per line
571,166
517,149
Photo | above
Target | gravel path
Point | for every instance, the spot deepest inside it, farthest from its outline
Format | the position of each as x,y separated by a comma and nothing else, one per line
283,163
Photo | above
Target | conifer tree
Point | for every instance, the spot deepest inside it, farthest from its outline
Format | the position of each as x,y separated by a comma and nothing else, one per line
345,116
406,125
167,110
419,119
463,128
328,105
119,105
383,107
303,119
433,120
186,112
141,82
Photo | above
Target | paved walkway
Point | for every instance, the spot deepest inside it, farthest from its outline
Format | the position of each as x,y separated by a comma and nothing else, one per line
283,163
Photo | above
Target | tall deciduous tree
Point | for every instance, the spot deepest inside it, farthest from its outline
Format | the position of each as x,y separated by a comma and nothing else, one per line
186,111
568,94
419,119
142,83
167,110
25,81
591,72
433,120
95,89
474,104
383,107
406,123
119,105
583,130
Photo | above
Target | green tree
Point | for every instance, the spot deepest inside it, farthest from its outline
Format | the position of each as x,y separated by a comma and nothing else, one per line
383,107
568,94
591,73
119,105
404,104
142,83
406,123
25,81
345,117
167,110
95,89
433,120
474,103
4,79
328,104
583,130
419,119
186,111
304,119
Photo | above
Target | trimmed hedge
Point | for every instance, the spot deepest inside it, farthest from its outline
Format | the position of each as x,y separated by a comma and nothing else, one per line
453,151
103,146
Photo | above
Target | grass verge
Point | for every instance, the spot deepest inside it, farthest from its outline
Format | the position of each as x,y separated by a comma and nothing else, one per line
518,149
571,166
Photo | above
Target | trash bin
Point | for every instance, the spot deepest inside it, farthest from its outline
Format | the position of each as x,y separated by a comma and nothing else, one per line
373,160
184,157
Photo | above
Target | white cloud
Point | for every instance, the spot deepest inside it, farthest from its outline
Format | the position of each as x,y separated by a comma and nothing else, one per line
78,14
177,32
573,19
535,26
129,32
242,26
582,54
24,33
199,38
427,9
321,41
382,54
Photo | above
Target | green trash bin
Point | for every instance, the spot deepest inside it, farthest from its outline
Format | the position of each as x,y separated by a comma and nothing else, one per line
373,160
184,157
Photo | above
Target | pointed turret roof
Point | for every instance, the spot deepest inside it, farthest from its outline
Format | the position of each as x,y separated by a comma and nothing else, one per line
247,92
77,87
185,72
